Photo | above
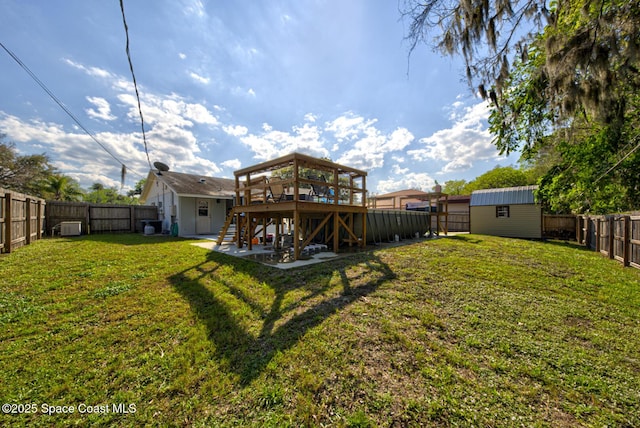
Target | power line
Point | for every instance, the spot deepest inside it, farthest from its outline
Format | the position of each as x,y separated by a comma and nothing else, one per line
64,108
135,84
619,162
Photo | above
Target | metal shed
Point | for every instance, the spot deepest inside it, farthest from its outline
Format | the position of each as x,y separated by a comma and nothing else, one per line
511,212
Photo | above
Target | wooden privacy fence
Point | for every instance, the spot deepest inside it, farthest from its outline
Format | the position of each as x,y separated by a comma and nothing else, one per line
99,218
458,222
21,219
559,226
615,236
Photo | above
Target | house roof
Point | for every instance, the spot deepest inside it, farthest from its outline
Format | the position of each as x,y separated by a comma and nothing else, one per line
403,193
190,184
521,195
457,199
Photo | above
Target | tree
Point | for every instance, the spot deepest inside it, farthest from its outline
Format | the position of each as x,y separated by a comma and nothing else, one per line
590,47
454,187
496,178
24,174
564,92
62,188
99,194
137,190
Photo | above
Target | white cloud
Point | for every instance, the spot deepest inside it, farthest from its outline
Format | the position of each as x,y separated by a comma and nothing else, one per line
349,126
272,143
232,164
182,55
412,180
370,145
235,131
198,78
468,140
117,82
102,110
195,8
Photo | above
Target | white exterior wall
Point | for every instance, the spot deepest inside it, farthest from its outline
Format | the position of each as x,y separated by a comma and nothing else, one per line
524,221
187,216
162,197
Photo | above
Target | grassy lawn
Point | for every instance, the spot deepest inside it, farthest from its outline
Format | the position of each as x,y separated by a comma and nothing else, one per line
464,331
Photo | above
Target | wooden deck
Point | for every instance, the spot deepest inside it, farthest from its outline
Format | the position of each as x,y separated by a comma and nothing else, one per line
314,199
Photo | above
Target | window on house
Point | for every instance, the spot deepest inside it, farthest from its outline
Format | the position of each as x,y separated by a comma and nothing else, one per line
502,211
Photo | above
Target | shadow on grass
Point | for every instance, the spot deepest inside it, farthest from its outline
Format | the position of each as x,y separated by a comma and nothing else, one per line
478,239
124,238
283,325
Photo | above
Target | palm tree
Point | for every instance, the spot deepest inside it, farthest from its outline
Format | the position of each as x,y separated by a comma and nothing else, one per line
63,188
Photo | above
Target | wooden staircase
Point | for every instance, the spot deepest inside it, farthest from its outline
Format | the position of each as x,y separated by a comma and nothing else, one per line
246,227
229,231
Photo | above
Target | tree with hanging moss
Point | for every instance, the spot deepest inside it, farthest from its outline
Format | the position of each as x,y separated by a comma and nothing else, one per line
562,78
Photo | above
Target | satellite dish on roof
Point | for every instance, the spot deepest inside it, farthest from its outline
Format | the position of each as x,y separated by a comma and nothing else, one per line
161,166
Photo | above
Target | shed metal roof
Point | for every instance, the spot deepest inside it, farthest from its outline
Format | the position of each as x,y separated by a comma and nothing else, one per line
522,195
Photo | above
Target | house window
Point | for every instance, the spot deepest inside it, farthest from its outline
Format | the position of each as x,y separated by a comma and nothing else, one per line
502,211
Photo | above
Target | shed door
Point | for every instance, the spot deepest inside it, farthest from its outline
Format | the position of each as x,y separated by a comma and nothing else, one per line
203,217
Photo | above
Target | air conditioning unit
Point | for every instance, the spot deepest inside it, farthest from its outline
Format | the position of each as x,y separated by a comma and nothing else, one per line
70,228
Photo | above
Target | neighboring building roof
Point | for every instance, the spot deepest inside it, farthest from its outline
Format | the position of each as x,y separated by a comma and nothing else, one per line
458,199
191,184
408,192
522,195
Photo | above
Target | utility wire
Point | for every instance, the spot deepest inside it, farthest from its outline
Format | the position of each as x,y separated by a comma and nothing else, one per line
619,162
63,107
135,84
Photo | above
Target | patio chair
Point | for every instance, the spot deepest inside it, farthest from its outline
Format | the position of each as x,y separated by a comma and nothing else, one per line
323,192
276,193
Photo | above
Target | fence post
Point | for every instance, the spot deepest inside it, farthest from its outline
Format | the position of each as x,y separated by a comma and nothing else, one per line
27,226
132,218
587,232
39,221
626,240
612,236
87,216
8,220
598,233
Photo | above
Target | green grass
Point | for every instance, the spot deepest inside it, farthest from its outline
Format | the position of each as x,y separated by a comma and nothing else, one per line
464,331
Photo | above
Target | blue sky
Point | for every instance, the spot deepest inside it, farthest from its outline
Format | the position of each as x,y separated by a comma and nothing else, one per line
225,85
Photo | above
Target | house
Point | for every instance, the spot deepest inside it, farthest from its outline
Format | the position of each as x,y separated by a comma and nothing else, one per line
511,212
196,203
397,200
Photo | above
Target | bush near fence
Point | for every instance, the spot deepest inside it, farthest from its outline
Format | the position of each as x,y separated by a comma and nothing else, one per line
100,218
21,219
614,236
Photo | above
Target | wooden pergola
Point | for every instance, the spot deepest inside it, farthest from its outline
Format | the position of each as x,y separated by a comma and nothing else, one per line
316,197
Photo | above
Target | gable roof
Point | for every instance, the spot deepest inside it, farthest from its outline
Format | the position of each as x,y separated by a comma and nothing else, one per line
403,193
521,195
191,184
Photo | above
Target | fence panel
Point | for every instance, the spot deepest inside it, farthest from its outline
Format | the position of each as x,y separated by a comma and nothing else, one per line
100,218
615,236
458,222
621,239
21,220
110,218
559,226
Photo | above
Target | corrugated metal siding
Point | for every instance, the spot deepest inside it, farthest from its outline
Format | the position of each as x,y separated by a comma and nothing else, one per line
505,196
524,221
